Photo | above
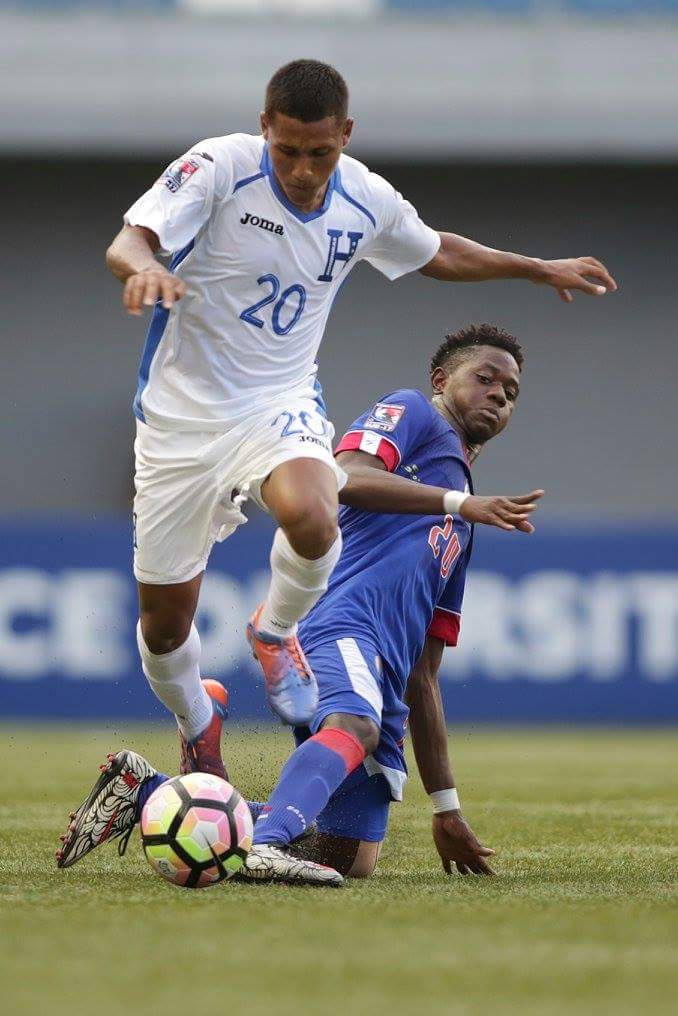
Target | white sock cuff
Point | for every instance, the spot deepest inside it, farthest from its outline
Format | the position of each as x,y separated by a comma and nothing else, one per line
282,546
191,647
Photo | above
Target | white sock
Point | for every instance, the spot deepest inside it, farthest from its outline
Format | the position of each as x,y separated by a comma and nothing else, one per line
296,584
175,679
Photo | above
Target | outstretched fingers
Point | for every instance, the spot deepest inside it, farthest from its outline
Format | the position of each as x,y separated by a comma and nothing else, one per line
593,277
527,499
597,270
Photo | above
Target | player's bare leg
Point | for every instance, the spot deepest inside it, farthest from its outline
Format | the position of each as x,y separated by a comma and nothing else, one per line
352,858
302,496
169,646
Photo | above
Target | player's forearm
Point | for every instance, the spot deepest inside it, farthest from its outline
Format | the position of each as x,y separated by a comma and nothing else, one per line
427,720
375,490
462,260
131,252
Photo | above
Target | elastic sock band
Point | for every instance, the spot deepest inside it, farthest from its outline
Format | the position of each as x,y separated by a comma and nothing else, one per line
283,546
344,744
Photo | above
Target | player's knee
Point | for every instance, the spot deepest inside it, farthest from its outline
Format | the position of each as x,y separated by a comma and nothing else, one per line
164,631
365,860
362,869
362,728
310,524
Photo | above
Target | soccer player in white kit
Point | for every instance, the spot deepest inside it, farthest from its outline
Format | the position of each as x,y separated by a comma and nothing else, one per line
262,231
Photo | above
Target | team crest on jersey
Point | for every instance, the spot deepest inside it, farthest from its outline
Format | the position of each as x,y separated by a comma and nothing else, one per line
385,416
178,173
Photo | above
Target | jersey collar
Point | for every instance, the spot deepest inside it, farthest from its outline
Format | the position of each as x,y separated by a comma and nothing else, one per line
267,168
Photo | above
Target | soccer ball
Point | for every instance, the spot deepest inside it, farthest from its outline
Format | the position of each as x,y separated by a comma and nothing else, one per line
196,830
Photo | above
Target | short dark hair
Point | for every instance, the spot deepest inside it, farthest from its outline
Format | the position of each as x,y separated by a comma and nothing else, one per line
452,351
307,90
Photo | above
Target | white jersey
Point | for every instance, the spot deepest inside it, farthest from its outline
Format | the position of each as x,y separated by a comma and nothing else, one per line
261,277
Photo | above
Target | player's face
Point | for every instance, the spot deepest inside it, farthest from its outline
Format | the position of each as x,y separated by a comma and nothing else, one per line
304,155
481,392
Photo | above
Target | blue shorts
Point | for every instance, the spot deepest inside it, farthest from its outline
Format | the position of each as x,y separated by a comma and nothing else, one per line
352,678
358,809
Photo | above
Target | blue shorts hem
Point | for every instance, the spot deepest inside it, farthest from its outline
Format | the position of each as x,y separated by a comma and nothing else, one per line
353,709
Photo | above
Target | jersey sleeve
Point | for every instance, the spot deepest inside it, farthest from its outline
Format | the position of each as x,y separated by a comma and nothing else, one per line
402,242
391,429
446,621
180,202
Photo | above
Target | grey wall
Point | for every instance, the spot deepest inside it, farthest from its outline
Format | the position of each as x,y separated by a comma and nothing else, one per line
595,423
434,84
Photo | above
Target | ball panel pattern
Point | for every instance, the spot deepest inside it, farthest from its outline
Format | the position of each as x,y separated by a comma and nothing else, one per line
196,830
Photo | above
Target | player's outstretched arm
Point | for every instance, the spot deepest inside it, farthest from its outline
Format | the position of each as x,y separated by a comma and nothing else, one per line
131,258
455,841
372,488
462,260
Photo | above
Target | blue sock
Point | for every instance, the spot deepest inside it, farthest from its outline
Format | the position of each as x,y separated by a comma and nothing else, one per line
147,788
308,780
256,808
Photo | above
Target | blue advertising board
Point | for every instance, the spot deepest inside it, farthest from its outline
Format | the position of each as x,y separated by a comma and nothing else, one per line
575,624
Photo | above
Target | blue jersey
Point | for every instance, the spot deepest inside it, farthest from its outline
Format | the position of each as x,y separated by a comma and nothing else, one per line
399,576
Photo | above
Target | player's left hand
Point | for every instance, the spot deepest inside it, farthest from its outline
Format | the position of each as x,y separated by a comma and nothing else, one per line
457,844
588,275
504,512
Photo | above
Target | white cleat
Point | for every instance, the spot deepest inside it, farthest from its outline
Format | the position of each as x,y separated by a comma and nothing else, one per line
268,863
109,810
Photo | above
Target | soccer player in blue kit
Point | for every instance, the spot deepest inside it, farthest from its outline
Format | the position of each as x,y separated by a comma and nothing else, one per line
393,603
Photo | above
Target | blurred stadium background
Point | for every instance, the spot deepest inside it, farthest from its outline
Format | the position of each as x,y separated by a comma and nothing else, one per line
547,126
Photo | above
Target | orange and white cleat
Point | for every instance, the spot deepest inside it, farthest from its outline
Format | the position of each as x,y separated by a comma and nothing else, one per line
203,753
291,687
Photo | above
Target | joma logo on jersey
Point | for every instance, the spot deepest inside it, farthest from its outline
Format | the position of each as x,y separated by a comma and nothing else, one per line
255,220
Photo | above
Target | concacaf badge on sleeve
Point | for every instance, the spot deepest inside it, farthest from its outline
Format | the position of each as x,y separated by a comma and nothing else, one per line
178,173
385,416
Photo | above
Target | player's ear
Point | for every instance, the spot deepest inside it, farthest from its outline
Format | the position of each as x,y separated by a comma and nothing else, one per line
348,130
438,379
263,123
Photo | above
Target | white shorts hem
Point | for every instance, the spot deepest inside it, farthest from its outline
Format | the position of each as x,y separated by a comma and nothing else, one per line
289,455
153,579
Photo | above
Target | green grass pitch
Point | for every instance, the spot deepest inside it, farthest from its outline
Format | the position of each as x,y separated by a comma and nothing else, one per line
582,917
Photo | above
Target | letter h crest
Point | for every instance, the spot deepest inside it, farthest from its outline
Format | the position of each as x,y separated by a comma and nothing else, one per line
335,254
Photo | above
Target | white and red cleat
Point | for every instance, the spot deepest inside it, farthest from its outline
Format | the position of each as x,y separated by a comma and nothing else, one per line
291,687
110,810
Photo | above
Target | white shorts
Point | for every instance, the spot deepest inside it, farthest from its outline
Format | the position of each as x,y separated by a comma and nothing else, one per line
190,485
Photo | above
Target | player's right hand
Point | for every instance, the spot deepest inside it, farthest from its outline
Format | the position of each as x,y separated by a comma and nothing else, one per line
504,512
144,289
457,844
